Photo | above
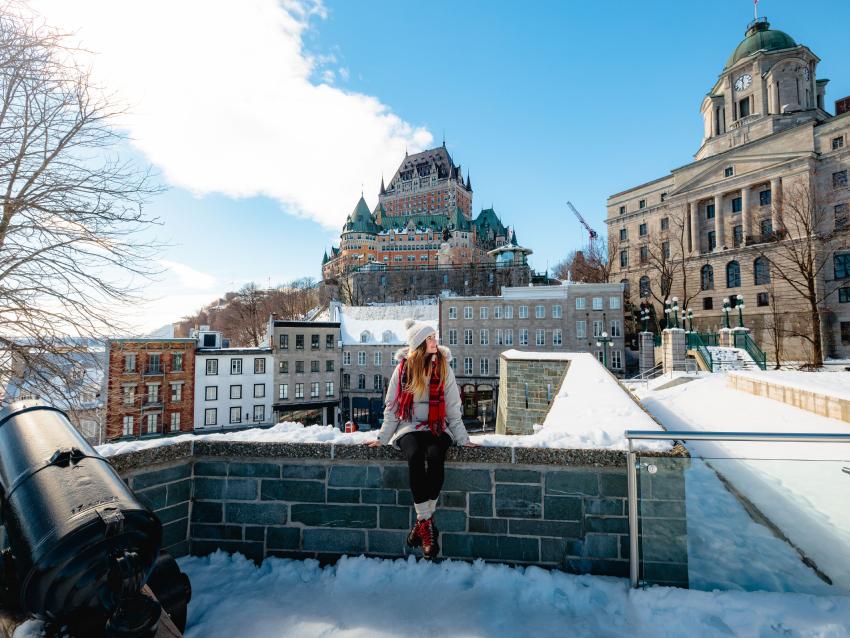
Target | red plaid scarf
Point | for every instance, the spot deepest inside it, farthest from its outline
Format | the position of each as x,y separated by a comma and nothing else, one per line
436,400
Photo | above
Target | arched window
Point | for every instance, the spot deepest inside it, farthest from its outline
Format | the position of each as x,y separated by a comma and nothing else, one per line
706,277
733,275
644,286
761,271
365,336
626,287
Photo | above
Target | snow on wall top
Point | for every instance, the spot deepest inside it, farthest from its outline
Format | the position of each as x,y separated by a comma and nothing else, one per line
383,323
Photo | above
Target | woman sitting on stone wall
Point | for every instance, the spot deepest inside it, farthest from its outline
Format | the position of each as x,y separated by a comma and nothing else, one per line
422,418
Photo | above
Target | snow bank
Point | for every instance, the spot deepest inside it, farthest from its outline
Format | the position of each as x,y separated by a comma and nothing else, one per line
834,383
365,597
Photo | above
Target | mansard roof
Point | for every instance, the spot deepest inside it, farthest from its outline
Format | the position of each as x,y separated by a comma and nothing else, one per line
435,160
361,220
488,219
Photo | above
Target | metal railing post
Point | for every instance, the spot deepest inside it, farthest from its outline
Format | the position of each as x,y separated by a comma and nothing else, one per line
631,477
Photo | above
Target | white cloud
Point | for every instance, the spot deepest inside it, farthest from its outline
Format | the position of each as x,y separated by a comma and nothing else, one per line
188,276
224,99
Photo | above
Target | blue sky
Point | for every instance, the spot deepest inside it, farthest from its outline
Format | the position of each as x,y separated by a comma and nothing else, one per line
542,102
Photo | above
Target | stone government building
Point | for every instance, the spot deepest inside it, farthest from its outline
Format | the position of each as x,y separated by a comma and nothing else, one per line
768,144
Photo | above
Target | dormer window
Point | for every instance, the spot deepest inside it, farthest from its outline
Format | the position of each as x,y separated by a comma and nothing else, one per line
365,336
388,336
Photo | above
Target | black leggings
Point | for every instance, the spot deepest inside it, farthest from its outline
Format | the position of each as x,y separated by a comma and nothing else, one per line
418,447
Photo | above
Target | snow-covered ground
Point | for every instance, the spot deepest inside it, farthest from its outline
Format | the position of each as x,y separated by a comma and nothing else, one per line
365,597
832,382
590,410
801,488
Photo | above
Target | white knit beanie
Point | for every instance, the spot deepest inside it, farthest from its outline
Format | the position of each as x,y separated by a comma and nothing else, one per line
417,333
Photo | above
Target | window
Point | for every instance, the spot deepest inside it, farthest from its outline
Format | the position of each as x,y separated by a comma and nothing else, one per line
841,215
497,312
467,366
581,329
314,366
844,295
599,356
706,278
175,421
523,336
283,367
210,416
452,312
259,413
622,210
453,364
762,299
581,303
615,328
736,204
557,311
346,358
509,312
329,388
153,422
598,327
766,227
540,337
129,363
624,234
764,198
845,332
377,358
737,235
839,179
711,236
361,358
643,229
557,337
236,414
539,311
484,337
329,342
176,392
733,275
614,303
841,266
377,382
665,249
154,364
299,342
211,393
509,336
483,312
128,426
709,211
299,367
644,254
236,366
523,312
365,336
707,303
329,365
665,223
744,107
837,142
643,286
616,359
663,197
467,312
484,367
467,337
728,171
284,342
642,203
299,390
259,390
361,381
453,337
624,259
283,391
314,390
346,381
761,271
597,303
129,394
177,362
500,340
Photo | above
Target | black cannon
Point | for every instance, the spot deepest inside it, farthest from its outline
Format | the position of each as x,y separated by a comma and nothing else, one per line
80,545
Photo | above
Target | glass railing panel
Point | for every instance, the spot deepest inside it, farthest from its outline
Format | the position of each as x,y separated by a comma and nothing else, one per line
765,524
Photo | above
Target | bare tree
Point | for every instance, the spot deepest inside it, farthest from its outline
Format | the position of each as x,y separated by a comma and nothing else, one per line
774,326
247,315
799,259
72,211
591,265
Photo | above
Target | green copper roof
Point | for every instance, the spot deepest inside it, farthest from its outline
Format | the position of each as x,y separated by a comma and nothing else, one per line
760,37
361,221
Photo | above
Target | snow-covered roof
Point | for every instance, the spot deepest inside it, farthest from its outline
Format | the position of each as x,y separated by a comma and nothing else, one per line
382,324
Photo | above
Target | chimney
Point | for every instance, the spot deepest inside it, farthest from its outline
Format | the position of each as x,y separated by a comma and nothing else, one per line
842,105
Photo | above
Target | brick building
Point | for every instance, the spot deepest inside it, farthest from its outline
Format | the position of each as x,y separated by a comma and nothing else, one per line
150,387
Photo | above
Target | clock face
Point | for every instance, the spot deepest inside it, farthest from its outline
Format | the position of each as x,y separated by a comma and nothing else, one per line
806,73
743,82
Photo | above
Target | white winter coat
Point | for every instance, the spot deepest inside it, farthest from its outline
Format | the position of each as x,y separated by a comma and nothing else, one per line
393,429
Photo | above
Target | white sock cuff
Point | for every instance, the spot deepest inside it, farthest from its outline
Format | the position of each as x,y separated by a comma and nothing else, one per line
422,510
432,507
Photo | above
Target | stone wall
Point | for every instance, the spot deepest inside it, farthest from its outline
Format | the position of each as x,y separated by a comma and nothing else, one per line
562,509
827,405
527,379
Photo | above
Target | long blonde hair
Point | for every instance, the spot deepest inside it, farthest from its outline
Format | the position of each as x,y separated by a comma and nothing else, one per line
418,369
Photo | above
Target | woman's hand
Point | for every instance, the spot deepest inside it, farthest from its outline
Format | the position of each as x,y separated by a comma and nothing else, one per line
373,443
471,444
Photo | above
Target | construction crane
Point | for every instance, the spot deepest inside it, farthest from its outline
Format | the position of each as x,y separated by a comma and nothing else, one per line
593,234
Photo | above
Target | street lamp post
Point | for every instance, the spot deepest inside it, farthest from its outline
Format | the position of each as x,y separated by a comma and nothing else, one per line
604,341
675,312
644,317
740,311
726,310
689,315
